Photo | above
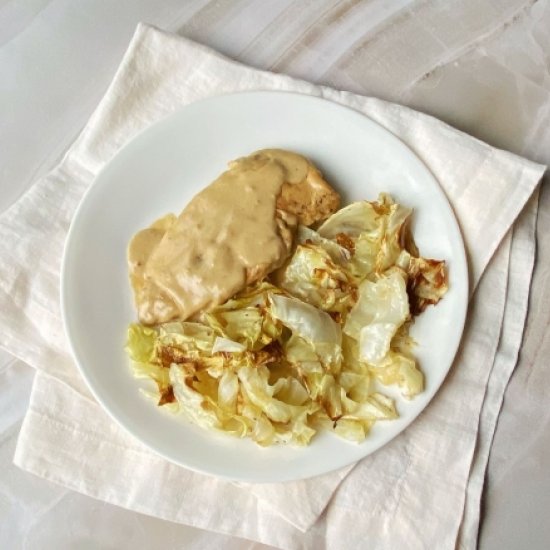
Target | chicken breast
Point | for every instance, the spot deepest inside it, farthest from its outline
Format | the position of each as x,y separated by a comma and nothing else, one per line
311,200
233,233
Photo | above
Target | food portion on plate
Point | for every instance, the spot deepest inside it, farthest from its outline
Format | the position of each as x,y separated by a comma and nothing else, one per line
232,234
267,312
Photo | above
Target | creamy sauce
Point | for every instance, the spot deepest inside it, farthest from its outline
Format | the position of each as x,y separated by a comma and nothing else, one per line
230,234
152,303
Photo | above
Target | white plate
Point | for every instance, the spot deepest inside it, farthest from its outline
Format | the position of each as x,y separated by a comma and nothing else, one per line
159,172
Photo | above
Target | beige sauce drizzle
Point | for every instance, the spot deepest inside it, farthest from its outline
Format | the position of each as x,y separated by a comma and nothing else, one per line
152,303
229,234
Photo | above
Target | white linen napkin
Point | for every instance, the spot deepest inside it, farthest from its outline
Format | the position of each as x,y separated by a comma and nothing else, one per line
412,492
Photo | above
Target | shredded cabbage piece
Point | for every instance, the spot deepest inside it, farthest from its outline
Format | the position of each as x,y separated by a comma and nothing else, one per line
311,347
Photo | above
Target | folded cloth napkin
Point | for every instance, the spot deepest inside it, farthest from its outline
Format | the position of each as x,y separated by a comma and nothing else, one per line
415,491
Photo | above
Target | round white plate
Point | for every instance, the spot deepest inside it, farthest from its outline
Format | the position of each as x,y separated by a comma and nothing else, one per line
159,172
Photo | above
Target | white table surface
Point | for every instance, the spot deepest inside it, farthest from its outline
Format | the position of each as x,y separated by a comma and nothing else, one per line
491,78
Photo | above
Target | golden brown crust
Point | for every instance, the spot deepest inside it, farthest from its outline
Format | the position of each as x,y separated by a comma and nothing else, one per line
311,200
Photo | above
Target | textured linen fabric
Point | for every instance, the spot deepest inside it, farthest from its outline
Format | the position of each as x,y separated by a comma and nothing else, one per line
385,500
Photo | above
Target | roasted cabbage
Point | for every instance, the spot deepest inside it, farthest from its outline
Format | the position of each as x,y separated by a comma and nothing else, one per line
311,347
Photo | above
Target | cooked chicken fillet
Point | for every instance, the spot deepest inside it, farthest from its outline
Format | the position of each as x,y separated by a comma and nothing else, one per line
312,200
233,233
